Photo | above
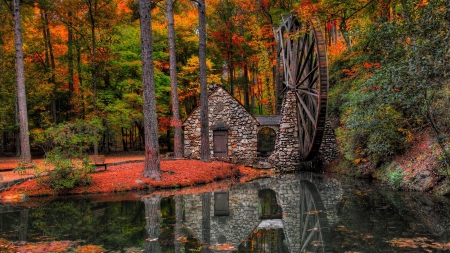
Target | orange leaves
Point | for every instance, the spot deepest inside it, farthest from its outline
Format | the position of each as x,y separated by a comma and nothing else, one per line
419,242
128,176
306,9
422,4
369,65
51,246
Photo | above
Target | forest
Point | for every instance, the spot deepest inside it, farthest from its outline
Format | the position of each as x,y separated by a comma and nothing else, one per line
388,67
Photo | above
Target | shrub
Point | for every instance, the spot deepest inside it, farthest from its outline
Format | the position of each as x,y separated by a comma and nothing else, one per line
67,172
65,147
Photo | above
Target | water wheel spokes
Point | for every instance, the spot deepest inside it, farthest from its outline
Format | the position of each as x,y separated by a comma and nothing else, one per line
314,230
303,59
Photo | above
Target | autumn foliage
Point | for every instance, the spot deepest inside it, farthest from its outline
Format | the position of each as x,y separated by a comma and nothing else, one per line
128,177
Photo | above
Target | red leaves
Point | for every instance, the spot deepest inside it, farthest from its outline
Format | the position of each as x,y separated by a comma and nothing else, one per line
129,177
368,65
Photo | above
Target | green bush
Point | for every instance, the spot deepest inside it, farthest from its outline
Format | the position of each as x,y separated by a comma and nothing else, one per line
65,147
67,172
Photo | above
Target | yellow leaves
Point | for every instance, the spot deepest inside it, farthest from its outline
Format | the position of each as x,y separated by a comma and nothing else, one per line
360,193
408,135
359,160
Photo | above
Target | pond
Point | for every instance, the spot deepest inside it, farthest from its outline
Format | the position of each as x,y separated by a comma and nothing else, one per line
302,212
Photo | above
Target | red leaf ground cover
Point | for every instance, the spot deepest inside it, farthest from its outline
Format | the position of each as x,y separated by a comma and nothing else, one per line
128,177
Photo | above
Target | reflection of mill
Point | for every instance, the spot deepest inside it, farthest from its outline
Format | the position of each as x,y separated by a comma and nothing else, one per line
269,215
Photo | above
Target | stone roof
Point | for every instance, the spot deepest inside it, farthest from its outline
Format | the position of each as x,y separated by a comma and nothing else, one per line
273,120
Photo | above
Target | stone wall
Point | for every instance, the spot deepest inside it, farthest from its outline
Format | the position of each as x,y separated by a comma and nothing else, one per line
243,218
286,156
328,149
323,194
225,113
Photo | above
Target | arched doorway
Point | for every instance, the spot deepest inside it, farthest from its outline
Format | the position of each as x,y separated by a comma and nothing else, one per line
268,205
266,141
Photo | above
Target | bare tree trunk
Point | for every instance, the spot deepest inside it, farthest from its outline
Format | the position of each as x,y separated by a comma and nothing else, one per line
21,92
152,162
246,88
80,78
205,149
152,217
70,61
93,65
50,61
344,32
176,122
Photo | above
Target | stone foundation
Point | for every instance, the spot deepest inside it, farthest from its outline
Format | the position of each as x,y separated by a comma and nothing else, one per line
286,157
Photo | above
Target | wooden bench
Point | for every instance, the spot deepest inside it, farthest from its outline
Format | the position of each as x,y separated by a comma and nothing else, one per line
98,160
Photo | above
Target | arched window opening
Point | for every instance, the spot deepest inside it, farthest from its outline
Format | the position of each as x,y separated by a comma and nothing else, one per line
266,141
268,205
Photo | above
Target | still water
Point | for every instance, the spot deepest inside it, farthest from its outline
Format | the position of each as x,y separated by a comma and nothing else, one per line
288,213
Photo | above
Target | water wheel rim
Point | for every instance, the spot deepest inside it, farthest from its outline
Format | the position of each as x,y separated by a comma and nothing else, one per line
305,72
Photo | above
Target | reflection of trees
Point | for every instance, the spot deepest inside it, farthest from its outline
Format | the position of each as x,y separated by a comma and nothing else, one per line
115,225
152,217
264,241
178,219
23,225
268,205
206,221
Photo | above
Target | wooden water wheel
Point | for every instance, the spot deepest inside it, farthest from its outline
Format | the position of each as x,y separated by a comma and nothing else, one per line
314,229
303,65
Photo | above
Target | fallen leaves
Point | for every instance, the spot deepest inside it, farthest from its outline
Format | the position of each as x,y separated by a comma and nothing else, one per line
419,242
53,246
129,177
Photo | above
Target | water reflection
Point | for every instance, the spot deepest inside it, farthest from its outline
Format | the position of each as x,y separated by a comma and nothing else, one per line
290,213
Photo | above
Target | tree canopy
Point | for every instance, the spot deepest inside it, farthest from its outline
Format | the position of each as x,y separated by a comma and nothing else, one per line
82,60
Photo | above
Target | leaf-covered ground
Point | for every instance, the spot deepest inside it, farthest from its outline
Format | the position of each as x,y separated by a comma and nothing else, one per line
129,177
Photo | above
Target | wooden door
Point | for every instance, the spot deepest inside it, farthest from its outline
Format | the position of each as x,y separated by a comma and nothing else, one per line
220,140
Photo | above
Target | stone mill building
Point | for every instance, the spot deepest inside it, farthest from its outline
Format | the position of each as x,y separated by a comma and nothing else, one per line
235,135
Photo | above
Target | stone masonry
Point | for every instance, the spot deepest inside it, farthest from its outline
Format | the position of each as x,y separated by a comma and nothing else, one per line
286,156
244,214
225,113
328,150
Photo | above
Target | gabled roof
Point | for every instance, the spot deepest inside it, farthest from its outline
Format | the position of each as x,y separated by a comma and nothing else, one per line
266,120
215,90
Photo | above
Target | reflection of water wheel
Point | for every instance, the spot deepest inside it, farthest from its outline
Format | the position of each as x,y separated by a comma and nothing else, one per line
305,72
314,230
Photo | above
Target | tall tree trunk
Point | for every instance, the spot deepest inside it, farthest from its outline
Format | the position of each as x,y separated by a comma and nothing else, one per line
205,149
176,122
93,64
124,139
2,132
152,160
152,218
344,32
246,88
51,64
21,92
70,61
80,79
